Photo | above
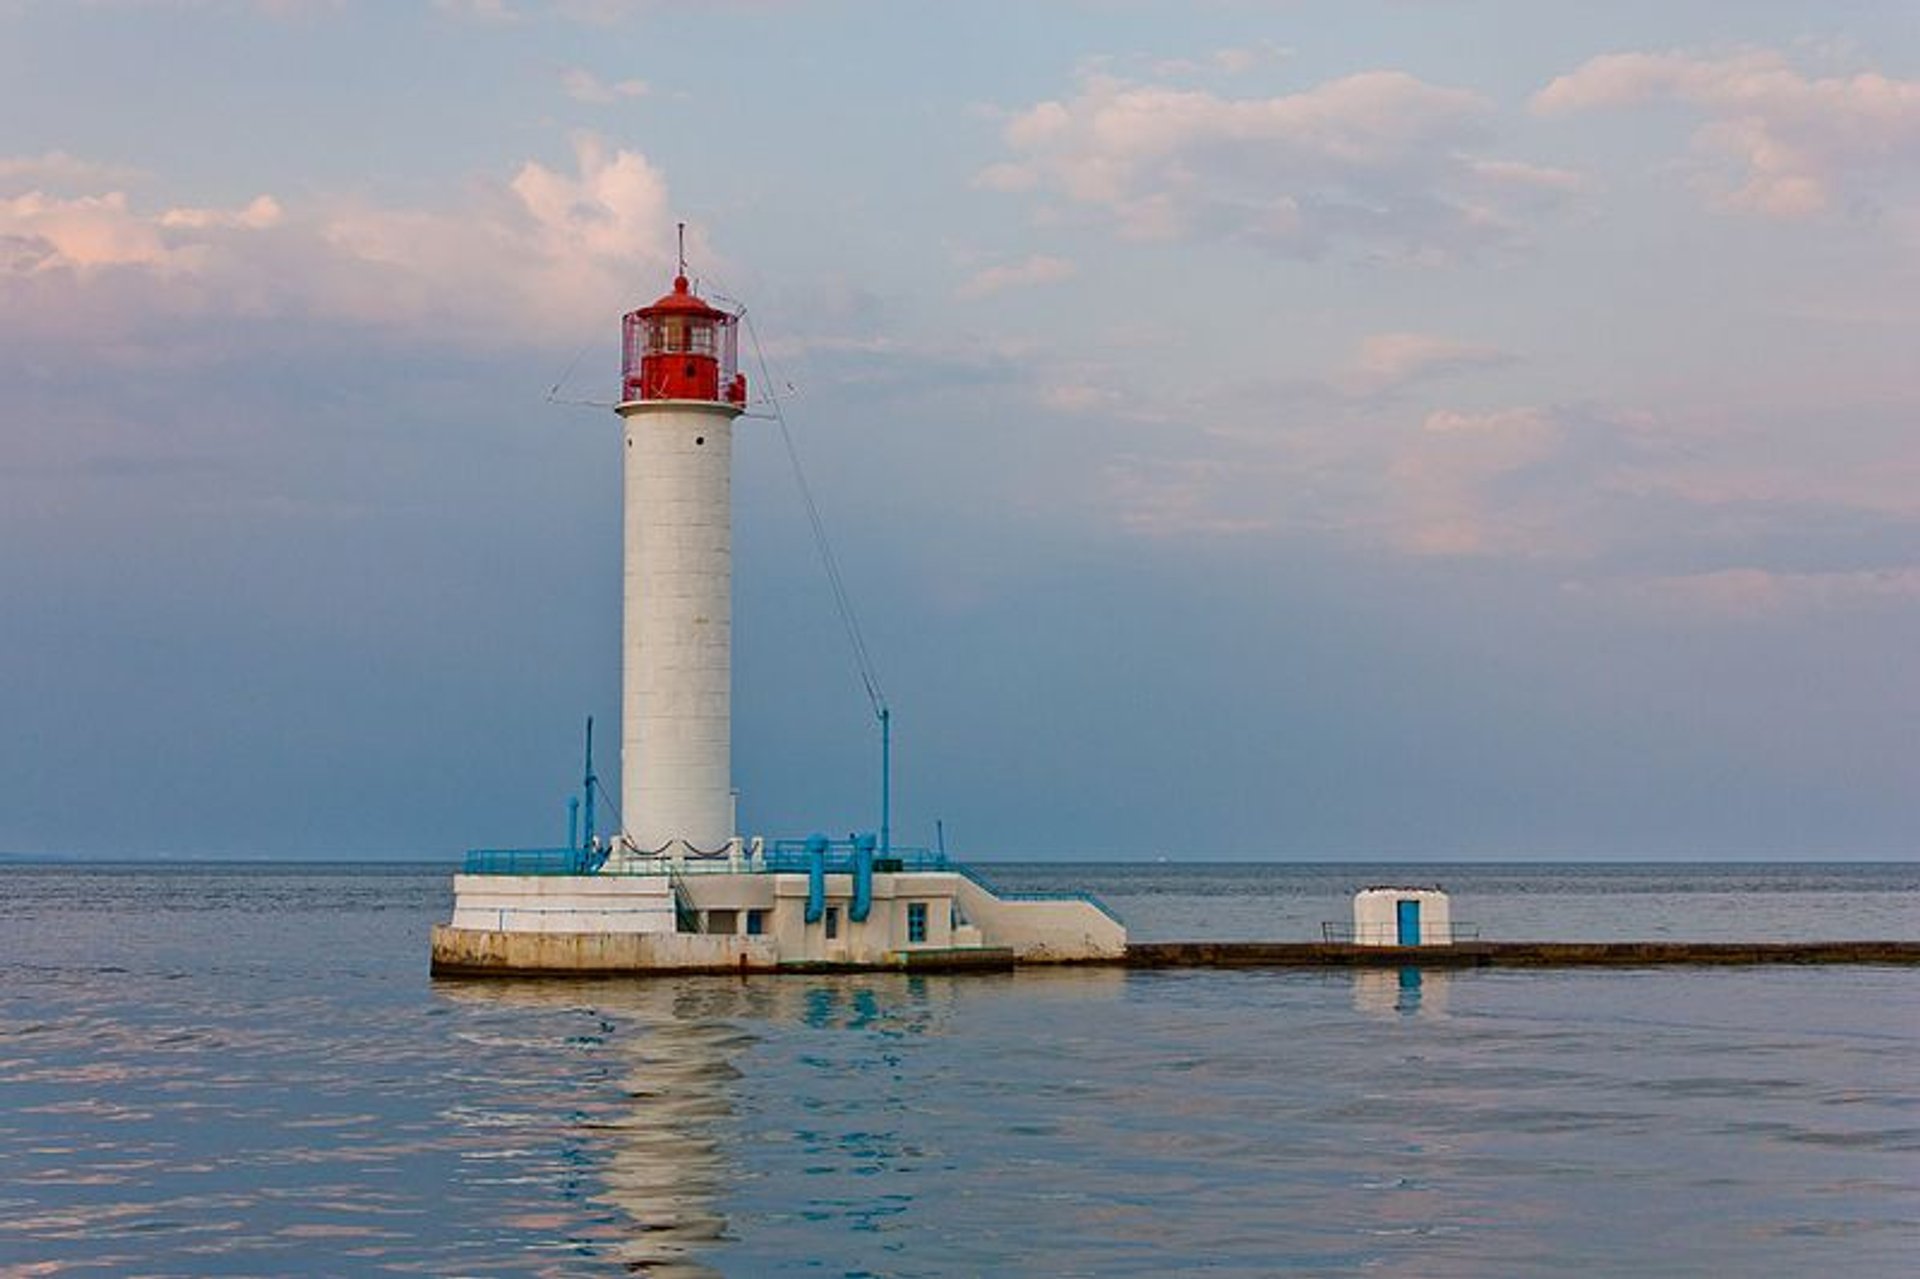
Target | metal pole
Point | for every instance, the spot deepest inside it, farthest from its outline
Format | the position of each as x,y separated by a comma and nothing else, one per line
886,781
587,784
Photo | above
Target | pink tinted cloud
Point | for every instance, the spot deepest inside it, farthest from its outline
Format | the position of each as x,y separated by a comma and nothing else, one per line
1031,271
1777,141
61,170
1387,361
1379,158
88,233
1749,592
546,252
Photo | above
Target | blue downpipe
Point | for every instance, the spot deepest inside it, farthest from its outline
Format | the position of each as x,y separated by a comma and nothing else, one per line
862,879
816,878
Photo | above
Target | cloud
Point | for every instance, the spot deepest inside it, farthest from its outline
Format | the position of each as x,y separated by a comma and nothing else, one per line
583,86
1406,446
549,253
269,8
263,212
915,369
497,11
1239,61
1508,424
58,169
1035,270
1388,361
1079,397
545,255
589,12
1774,141
1380,160
1762,510
1447,496
1159,497
42,233
1232,61
1746,593
1519,174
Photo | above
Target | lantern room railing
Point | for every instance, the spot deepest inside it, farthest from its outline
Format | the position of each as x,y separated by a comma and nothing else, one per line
645,337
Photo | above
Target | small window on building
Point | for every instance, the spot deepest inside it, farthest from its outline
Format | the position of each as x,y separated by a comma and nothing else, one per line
833,922
916,923
756,923
723,921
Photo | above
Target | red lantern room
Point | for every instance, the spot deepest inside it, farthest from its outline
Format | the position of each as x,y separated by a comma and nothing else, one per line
681,349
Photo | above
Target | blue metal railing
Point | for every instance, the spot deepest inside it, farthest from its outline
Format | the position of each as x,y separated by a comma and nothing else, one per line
842,858
785,856
533,861
1005,895
792,855
1340,931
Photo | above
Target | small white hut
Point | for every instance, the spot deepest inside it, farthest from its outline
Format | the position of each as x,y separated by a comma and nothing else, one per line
1391,916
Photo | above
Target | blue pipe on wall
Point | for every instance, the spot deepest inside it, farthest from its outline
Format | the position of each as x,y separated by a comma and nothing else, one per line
862,879
816,878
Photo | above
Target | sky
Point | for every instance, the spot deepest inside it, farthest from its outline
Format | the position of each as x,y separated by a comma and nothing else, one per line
1359,429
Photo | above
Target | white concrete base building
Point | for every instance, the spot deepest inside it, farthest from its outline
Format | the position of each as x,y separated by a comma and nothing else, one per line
714,917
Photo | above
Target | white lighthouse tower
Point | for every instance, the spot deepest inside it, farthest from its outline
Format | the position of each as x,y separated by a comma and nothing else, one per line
679,395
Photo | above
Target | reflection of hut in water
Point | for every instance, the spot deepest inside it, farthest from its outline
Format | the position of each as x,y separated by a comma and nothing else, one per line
1404,990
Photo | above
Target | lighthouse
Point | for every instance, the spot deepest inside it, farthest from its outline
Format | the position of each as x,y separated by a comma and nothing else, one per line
679,395
679,889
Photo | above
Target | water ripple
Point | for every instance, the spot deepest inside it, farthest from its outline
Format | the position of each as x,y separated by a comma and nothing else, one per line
192,1081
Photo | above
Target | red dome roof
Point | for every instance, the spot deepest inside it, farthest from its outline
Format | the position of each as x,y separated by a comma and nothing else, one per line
683,300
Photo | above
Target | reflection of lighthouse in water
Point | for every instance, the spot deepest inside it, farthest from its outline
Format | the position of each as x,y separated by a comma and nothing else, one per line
696,1119
656,1149
668,1170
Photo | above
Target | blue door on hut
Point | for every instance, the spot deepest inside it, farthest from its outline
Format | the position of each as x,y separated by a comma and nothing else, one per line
1408,917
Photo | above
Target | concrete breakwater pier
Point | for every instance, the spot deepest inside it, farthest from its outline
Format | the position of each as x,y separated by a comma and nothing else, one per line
467,953
1515,954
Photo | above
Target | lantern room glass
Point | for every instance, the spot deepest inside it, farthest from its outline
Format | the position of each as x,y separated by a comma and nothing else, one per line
678,335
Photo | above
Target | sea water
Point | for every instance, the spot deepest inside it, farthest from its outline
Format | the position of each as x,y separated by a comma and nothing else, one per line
245,1069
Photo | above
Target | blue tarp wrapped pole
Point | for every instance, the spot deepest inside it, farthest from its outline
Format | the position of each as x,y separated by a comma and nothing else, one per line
816,877
862,879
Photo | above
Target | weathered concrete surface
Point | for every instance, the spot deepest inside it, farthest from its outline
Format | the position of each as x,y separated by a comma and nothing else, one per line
1513,954
971,959
1043,930
563,903
467,952
472,952
477,952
